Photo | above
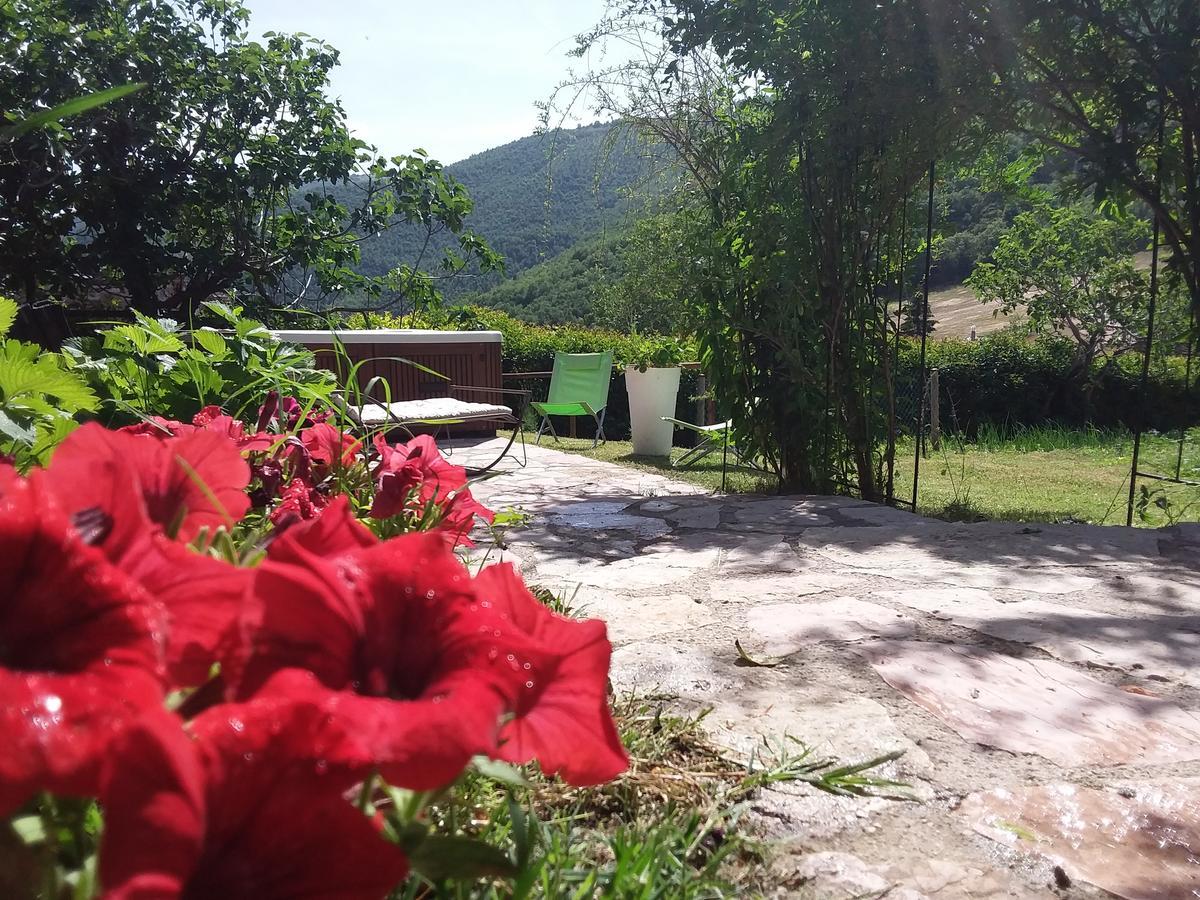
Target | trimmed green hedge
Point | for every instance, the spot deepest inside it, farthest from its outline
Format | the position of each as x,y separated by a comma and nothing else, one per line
1000,379
1004,379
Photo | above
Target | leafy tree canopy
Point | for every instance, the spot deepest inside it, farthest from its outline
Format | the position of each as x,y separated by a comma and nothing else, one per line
1101,79
202,182
1072,272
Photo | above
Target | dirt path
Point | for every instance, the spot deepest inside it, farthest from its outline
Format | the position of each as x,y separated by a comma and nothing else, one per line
1044,682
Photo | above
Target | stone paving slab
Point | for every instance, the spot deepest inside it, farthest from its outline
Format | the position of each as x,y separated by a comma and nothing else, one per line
1159,646
1036,706
1014,664
1140,841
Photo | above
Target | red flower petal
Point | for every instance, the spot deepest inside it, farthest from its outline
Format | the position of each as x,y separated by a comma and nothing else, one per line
154,810
275,823
186,483
203,599
561,716
420,744
326,444
78,652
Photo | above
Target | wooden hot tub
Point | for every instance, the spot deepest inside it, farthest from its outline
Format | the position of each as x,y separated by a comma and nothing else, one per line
467,358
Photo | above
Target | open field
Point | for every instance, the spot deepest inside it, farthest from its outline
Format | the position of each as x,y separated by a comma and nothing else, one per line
956,309
1039,475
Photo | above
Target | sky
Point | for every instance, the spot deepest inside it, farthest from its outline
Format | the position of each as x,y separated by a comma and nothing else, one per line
452,76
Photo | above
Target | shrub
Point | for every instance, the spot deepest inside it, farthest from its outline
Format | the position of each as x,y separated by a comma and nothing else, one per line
1006,379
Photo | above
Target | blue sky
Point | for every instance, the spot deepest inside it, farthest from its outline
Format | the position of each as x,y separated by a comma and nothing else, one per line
452,76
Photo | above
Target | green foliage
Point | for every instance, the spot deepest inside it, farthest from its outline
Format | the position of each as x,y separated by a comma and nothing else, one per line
534,198
815,174
651,352
204,181
39,397
634,275
153,367
1099,79
564,288
1072,272
654,277
669,828
1008,380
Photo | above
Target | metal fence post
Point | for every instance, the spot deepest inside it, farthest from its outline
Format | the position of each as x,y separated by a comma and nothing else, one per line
935,419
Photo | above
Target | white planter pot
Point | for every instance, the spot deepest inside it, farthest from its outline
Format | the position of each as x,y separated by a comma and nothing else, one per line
651,396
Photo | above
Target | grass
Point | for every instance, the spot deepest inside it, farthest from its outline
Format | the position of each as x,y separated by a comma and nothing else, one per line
1053,475
670,827
1044,474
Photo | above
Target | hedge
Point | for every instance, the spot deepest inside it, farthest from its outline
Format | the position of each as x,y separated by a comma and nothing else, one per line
1001,379
1004,379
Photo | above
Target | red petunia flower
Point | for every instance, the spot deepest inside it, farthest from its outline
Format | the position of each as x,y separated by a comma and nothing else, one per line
252,808
388,653
409,476
184,484
325,444
561,717
299,502
79,648
291,411
129,488
399,644
213,418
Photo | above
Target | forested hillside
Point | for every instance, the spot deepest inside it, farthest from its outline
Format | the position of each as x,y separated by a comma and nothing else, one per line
536,197
969,220
559,208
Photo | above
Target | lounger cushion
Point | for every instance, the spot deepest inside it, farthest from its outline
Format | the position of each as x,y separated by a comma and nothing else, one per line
434,409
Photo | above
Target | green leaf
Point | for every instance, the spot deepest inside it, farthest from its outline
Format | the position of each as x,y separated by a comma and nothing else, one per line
211,341
499,771
22,377
8,315
439,857
74,107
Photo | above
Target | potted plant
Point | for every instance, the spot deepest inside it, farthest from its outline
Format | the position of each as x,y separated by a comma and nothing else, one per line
652,380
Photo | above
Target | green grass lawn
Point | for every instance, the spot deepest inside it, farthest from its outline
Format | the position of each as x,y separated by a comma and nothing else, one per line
1037,475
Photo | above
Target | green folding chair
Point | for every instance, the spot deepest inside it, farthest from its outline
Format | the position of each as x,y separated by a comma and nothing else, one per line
578,387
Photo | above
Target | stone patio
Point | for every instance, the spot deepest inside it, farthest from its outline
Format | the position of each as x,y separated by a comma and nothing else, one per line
1043,681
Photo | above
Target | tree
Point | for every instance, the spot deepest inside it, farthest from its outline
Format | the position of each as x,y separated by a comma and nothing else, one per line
650,293
1072,273
805,127
213,178
913,320
1102,80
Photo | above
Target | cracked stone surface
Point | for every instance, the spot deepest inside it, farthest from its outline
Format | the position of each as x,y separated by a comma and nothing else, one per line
1140,840
1043,680
1035,705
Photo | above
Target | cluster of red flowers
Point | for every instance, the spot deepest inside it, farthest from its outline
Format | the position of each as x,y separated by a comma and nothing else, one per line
338,656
